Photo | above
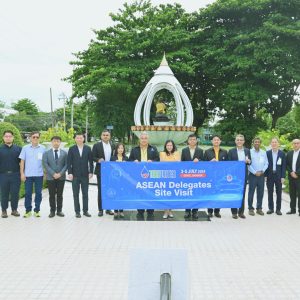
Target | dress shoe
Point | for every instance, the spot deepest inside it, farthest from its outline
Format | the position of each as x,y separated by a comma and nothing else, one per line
15,213
260,212
270,211
78,215
150,216
87,214
278,212
121,215
165,216
4,214
60,214
195,216
171,215
251,212
52,214
100,213
116,214
109,212
210,215
291,212
242,216
235,216
187,215
217,215
140,216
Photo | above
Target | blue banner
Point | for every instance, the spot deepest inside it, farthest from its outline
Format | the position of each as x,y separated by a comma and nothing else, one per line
172,185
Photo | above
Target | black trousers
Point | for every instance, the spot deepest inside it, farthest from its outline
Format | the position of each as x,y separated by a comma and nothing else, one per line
272,180
240,210
211,210
82,182
99,192
10,187
294,189
194,210
56,189
141,211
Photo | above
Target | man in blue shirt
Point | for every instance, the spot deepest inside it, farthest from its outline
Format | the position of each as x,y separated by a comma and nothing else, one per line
259,164
9,174
32,173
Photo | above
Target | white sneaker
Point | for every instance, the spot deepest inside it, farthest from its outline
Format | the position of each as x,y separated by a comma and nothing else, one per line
171,215
165,216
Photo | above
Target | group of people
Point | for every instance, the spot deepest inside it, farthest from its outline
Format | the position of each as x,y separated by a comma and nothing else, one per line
32,162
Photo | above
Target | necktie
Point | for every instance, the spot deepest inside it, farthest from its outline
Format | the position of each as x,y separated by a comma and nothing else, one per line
55,154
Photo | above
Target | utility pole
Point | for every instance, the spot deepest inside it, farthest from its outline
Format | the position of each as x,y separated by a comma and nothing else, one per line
63,97
52,116
72,111
86,124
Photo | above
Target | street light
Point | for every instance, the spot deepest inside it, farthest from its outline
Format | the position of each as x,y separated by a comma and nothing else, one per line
63,97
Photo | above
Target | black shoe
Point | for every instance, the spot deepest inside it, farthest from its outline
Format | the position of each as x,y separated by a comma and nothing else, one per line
210,215
242,216
217,215
150,216
187,215
52,214
140,216
291,212
270,211
235,216
60,214
109,212
87,214
100,213
78,215
195,216
278,212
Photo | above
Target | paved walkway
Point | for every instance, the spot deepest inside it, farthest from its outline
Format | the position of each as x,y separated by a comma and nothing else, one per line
88,258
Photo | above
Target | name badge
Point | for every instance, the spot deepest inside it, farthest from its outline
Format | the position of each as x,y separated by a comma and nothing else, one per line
40,156
279,161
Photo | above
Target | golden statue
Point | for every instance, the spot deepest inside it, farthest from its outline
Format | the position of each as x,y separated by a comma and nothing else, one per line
160,108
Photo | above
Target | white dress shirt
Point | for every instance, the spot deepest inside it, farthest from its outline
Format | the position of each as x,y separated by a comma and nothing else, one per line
295,157
80,150
107,151
58,152
241,154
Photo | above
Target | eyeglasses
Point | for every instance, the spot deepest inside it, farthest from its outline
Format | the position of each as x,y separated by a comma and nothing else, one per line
35,137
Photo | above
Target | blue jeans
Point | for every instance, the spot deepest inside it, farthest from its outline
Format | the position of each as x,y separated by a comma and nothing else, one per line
37,181
256,182
10,187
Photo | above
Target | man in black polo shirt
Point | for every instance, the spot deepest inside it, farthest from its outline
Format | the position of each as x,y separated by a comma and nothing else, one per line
9,174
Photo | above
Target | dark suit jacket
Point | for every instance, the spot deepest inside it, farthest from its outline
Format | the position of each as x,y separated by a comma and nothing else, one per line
98,153
280,168
52,166
152,153
115,158
233,156
186,154
80,166
210,154
289,164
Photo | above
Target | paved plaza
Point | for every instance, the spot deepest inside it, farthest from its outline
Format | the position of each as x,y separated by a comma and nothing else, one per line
89,258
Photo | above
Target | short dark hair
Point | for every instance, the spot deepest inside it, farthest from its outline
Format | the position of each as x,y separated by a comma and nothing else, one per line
105,130
165,147
216,135
56,137
34,132
8,131
79,133
192,135
256,139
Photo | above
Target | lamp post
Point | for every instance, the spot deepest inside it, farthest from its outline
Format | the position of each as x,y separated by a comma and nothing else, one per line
63,97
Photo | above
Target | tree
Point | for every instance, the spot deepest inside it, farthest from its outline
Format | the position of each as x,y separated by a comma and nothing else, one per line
26,106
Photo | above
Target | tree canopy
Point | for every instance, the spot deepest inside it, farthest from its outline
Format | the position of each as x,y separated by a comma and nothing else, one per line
237,59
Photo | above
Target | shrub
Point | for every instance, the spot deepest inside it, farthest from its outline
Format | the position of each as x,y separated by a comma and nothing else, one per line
267,135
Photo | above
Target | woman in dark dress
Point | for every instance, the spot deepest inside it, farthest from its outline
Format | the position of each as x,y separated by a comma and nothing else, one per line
119,156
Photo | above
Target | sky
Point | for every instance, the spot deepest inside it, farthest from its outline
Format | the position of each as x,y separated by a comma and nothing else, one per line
37,39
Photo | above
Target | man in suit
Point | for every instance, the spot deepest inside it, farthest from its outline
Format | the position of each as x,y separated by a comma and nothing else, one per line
80,169
215,154
275,174
259,164
240,153
55,164
144,152
293,168
192,153
102,151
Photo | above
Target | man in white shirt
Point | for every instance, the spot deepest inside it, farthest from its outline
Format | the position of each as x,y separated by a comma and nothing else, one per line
259,164
293,168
